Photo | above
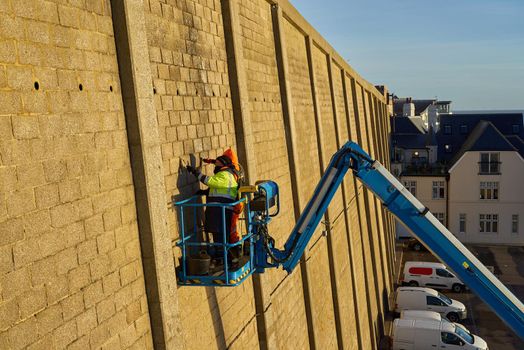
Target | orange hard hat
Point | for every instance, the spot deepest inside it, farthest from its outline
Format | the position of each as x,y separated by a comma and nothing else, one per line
233,156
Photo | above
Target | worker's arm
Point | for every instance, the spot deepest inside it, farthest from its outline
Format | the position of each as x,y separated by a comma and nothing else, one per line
222,179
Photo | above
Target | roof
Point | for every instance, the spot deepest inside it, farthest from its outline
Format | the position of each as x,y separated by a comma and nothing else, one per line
420,105
409,141
425,264
418,289
485,137
456,129
407,125
517,142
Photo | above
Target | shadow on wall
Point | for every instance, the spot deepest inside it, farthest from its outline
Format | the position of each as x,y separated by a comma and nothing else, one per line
214,310
188,186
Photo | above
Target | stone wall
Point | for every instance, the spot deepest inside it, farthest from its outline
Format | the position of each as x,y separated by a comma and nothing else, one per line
102,103
71,273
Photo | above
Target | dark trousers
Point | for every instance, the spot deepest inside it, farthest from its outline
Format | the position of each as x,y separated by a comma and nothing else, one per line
215,225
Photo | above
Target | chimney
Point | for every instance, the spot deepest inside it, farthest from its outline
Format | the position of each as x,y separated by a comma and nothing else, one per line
408,109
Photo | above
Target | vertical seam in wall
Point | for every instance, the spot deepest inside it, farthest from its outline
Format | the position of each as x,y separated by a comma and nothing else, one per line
360,209
385,231
290,131
372,130
306,284
345,190
369,201
144,153
243,131
334,286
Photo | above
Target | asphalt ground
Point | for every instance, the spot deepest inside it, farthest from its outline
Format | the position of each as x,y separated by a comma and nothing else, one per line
508,264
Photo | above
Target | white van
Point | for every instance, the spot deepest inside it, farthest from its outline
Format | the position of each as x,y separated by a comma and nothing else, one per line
431,274
421,298
430,334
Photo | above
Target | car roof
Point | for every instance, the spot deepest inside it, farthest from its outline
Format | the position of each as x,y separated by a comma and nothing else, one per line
418,289
420,314
442,325
425,264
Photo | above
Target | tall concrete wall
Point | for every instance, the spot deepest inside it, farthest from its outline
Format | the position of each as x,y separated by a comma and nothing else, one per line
103,102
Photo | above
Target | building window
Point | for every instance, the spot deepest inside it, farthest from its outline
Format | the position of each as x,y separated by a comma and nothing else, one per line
489,223
440,217
411,187
514,224
515,128
462,223
489,163
489,190
447,129
438,190
463,129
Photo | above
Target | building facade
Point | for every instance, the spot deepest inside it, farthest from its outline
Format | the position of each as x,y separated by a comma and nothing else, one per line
468,171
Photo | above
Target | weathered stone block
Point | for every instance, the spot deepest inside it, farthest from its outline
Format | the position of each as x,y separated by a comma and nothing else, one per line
9,314
69,16
56,288
30,174
15,283
86,321
19,202
99,267
49,319
69,190
64,214
32,302
72,306
105,309
65,334
67,260
23,333
46,196
79,278
10,101
93,294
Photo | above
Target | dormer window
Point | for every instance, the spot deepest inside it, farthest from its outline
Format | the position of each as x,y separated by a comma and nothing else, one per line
447,129
463,129
515,128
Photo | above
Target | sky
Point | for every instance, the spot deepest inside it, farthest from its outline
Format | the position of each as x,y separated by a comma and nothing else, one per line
468,51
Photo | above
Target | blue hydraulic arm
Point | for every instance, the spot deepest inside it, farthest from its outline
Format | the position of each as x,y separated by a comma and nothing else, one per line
414,215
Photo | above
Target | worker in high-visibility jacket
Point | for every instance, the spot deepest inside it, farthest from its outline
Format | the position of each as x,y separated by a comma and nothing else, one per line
223,188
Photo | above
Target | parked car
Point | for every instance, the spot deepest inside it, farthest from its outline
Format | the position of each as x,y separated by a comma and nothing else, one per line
409,334
416,245
431,274
420,298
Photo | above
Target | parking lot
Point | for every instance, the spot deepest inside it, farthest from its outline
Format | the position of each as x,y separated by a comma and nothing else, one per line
508,264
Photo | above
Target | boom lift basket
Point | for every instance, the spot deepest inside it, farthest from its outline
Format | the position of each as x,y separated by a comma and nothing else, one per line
261,203
195,263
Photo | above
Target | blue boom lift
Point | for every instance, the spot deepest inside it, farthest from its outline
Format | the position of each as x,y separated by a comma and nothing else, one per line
262,203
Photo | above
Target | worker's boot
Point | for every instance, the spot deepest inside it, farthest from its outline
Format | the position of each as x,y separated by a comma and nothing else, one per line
233,258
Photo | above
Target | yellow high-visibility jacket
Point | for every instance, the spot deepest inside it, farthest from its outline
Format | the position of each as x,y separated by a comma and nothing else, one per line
222,185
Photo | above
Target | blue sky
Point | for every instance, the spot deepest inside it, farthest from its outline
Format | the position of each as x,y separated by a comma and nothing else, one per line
467,51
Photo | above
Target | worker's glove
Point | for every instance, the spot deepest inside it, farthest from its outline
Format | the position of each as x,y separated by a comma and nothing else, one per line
193,170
